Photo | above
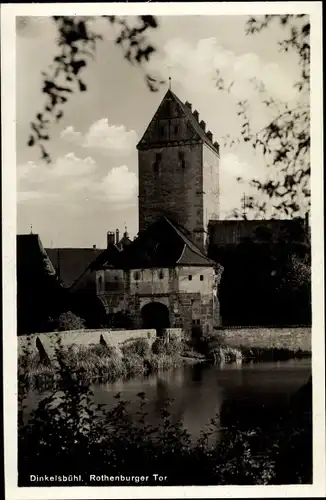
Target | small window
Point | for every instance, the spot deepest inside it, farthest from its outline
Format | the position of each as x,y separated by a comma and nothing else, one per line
100,282
198,321
161,275
193,321
136,275
162,130
182,159
116,278
201,277
176,129
190,277
156,166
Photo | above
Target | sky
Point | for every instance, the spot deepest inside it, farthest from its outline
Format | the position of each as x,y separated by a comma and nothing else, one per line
92,185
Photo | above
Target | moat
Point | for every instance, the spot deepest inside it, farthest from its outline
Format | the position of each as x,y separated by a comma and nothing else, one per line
247,395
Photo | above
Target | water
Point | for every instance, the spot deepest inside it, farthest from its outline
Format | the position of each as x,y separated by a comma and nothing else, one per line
243,395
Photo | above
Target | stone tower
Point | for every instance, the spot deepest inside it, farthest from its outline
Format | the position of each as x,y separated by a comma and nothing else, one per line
178,165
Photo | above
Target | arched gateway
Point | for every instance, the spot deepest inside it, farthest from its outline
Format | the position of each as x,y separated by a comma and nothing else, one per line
155,315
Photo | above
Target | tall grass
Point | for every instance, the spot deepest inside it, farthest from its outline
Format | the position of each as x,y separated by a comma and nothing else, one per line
107,362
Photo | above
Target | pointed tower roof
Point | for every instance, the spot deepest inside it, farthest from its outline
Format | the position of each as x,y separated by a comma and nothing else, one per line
184,110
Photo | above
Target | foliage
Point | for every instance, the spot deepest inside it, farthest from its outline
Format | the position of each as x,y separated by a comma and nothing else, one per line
159,345
83,438
77,42
69,321
259,284
105,362
139,347
284,143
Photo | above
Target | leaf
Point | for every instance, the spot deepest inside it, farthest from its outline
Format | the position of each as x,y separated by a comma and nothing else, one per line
82,86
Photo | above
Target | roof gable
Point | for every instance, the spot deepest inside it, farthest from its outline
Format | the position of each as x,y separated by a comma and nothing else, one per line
72,263
163,244
172,108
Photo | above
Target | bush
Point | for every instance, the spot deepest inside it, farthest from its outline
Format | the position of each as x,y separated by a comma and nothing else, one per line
158,346
174,346
84,438
70,321
138,347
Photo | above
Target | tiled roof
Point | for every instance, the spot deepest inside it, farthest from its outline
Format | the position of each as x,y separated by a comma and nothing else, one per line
163,244
193,121
32,259
199,131
72,263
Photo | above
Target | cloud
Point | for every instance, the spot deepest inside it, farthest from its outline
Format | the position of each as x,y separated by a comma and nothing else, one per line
72,180
198,66
114,139
70,135
120,185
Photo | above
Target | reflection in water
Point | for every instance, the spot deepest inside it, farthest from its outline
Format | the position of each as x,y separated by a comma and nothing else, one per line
243,395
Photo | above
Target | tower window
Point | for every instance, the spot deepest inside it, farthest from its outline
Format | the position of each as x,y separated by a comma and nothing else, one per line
136,275
100,282
182,159
161,275
156,166
190,277
201,277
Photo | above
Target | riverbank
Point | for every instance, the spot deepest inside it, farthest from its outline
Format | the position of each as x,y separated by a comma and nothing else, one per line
104,362
109,362
229,345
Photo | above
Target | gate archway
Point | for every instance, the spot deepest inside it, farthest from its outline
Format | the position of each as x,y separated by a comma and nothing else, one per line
155,315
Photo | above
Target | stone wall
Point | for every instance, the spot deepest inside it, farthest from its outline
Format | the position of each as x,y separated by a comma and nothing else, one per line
292,338
81,337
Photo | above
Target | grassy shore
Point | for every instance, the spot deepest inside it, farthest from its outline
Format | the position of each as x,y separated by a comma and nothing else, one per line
111,362
215,348
104,362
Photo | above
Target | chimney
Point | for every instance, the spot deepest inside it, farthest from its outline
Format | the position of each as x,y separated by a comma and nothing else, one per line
196,115
203,125
110,238
216,146
188,104
209,136
117,239
94,247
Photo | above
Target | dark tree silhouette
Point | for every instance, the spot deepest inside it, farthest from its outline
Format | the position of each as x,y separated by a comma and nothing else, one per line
77,43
